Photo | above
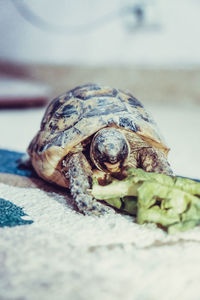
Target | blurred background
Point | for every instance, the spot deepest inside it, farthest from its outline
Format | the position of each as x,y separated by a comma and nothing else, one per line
149,47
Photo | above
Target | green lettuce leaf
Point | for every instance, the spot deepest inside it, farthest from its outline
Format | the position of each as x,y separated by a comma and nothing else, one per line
169,201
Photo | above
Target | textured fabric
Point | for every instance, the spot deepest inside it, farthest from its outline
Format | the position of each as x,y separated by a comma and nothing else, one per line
65,255
57,253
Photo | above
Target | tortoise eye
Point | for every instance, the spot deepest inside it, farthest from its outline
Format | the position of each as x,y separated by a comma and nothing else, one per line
125,149
99,155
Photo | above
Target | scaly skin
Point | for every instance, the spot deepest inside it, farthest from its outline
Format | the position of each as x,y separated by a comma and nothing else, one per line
153,160
79,174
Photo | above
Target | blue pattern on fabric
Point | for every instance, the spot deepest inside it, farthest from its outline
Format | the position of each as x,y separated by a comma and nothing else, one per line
10,214
10,163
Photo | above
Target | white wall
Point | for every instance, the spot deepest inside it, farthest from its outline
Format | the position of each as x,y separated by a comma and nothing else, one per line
175,41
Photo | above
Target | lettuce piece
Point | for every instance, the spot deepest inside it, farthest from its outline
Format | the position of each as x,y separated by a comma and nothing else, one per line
126,204
173,204
169,201
115,189
129,205
115,202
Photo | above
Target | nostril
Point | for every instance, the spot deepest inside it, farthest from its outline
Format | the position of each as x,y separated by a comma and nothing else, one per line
113,160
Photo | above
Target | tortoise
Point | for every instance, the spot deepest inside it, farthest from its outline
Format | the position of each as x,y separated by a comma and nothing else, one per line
95,127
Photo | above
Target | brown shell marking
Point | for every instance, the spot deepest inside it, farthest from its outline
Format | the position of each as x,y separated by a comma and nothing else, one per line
78,114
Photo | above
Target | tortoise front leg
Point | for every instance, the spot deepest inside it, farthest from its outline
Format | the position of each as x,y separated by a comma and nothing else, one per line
153,160
79,175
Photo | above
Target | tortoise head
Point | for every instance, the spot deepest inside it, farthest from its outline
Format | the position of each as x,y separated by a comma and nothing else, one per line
109,150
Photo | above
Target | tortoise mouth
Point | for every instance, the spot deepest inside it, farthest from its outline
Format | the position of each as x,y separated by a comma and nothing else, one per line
113,167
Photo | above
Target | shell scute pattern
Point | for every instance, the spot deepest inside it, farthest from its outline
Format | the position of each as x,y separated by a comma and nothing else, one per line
71,119
127,123
87,87
133,105
132,101
89,91
48,119
53,127
67,96
67,111
67,114
74,116
103,107
85,92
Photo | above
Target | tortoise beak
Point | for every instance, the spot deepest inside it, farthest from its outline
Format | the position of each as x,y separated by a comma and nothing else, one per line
113,168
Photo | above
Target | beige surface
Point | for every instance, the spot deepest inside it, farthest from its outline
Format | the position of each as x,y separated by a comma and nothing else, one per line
27,182
179,85
65,255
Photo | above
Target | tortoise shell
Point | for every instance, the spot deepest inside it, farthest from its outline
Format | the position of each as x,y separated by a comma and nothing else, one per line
78,114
